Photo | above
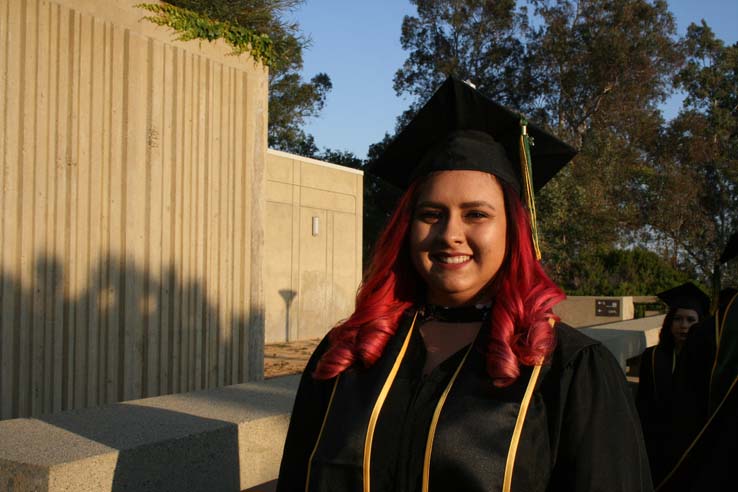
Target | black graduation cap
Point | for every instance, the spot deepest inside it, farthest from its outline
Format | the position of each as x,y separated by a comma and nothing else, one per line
461,129
686,296
731,250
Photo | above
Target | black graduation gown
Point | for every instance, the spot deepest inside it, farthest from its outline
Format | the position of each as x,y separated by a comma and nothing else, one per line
654,402
580,433
708,460
691,389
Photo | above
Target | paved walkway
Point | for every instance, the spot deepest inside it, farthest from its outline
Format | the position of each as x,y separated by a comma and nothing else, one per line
282,359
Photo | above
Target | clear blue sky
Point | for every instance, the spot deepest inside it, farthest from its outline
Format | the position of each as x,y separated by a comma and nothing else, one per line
357,43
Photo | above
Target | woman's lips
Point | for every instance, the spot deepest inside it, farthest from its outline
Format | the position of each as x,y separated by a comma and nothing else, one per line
450,261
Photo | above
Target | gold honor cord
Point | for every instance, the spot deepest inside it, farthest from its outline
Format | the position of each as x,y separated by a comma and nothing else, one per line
718,335
320,434
434,422
378,406
526,170
515,441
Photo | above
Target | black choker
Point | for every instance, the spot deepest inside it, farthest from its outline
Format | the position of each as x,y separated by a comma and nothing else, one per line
462,314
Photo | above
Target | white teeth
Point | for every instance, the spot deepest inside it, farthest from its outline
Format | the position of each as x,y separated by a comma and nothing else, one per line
453,259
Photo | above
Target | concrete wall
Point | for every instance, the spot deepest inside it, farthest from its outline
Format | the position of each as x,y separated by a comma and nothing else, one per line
580,311
310,280
132,184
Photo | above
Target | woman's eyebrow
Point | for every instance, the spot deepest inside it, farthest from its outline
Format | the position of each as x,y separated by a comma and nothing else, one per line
430,204
477,204
465,205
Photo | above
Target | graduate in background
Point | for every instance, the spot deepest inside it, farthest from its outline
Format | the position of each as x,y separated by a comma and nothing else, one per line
453,373
705,424
687,306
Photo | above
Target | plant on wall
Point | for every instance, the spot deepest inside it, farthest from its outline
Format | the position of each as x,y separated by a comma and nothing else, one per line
193,25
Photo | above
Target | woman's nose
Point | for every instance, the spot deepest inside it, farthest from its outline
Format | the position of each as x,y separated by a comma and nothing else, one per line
453,230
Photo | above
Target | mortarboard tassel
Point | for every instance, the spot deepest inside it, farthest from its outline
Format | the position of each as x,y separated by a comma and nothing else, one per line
526,170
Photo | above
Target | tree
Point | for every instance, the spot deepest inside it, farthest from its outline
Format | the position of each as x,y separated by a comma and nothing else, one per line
600,69
291,100
616,272
693,191
601,64
470,39
291,103
592,71
380,198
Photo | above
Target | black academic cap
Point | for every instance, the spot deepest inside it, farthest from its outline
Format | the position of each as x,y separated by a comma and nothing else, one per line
461,129
731,250
686,296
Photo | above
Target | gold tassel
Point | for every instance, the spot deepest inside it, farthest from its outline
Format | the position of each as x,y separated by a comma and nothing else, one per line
526,170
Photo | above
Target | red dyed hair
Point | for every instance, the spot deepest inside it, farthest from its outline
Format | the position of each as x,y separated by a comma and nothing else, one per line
520,333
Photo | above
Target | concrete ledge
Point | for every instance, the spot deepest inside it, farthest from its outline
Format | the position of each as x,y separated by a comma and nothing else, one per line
628,338
226,439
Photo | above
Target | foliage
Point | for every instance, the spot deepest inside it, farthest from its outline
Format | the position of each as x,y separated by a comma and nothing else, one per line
615,272
265,17
244,24
192,25
589,204
380,198
291,103
592,71
601,64
691,204
601,68
474,40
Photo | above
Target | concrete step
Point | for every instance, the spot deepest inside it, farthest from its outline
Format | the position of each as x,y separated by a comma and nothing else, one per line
226,439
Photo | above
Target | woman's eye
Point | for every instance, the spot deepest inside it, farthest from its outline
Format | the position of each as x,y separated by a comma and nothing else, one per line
476,214
429,215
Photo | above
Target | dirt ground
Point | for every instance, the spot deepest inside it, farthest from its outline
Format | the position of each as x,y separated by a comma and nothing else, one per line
283,359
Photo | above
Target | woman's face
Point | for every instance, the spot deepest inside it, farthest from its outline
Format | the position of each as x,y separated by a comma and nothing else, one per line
682,322
458,234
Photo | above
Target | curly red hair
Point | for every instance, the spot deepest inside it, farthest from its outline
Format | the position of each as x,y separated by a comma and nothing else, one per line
519,328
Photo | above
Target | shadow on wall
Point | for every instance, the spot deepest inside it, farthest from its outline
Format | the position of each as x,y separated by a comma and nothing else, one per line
288,296
109,331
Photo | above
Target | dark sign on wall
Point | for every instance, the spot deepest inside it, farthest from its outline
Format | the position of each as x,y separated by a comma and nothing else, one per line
607,307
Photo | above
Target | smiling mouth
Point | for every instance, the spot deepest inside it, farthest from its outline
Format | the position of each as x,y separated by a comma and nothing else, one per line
451,260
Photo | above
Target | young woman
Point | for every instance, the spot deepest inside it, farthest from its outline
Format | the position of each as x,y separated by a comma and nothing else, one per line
452,373
658,365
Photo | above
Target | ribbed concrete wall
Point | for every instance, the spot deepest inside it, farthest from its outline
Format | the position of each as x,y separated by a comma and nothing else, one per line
131,236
